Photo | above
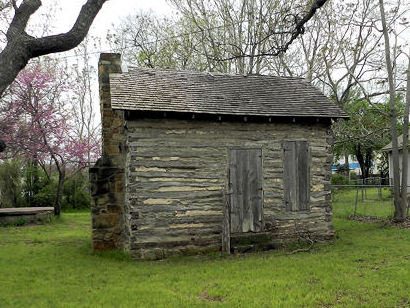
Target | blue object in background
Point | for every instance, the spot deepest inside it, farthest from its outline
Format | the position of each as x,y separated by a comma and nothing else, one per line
351,166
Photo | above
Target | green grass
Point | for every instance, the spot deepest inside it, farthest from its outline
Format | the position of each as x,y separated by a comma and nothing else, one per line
369,203
53,266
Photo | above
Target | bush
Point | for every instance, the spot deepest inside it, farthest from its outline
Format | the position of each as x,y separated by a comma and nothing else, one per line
11,184
76,193
46,196
342,169
338,179
354,176
38,189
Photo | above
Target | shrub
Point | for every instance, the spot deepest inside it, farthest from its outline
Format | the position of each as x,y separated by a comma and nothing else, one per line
11,184
76,193
38,189
338,179
46,196
354,176
342,169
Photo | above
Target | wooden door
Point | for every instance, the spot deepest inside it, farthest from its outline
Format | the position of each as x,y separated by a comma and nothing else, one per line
245,182
296,175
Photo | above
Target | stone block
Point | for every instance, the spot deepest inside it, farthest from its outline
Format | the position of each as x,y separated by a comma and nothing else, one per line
105,220
152,254
114,208
103,245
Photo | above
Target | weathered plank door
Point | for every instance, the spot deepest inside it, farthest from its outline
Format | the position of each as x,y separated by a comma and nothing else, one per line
245,182
296,175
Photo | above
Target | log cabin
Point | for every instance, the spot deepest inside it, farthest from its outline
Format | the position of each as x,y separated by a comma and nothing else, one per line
196,162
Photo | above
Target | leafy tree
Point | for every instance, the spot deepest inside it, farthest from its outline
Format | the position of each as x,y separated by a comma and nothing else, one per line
38,126
366,132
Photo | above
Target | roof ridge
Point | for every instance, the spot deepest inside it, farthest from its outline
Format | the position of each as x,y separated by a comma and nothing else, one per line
134,68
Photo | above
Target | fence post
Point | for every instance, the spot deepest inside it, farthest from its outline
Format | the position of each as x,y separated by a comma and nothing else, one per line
357,199
361,186
408,203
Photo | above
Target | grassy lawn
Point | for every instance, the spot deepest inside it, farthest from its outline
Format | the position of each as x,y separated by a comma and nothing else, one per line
53,266
368,202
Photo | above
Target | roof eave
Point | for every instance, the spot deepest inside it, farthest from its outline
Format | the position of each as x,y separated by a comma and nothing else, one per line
239,114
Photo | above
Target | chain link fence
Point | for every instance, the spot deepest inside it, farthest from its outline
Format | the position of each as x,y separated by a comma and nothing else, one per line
370,198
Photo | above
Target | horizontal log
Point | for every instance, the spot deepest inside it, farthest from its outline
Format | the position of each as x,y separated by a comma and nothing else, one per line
159,231
180,173
182,244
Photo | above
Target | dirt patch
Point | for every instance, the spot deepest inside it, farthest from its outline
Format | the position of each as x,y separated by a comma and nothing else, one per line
313,280
205,297
385,221
404,302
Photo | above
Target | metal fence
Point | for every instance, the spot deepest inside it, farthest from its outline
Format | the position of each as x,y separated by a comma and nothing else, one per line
372,200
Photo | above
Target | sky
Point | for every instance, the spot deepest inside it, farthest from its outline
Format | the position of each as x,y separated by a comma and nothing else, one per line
111,13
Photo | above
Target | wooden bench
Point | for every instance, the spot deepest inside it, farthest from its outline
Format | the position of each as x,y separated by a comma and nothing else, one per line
24,215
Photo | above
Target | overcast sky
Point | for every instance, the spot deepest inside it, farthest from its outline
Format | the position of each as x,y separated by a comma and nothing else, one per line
111,12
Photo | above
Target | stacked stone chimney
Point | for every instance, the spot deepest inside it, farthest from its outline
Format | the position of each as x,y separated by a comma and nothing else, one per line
107,176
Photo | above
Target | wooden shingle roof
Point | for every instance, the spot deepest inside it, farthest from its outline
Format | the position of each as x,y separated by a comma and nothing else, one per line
254,95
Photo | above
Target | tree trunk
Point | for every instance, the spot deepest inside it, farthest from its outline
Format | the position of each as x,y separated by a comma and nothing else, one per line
368,162
398,212
364,161
360,159
59,194
405,152
347,167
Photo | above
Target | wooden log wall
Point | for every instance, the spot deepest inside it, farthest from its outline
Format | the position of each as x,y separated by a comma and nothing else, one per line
177,174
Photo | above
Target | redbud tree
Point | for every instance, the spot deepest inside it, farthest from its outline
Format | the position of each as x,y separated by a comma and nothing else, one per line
38,125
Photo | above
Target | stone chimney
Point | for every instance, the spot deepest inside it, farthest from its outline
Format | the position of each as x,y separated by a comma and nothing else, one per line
107,176
111,121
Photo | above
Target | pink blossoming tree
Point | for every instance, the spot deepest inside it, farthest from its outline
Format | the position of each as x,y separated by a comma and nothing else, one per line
38,126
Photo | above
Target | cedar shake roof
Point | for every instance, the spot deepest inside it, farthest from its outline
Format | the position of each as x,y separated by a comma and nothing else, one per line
254,95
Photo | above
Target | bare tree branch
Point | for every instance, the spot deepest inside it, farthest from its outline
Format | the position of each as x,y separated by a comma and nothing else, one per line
21,47
299,29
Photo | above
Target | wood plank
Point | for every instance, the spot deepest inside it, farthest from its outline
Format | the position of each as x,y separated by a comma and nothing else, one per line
289,148
245,200
258,190
303,175
226,230
233,185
